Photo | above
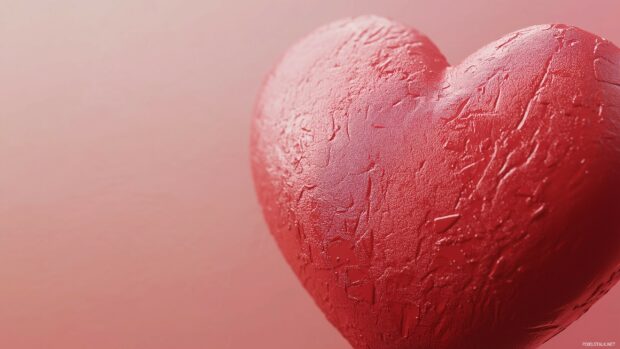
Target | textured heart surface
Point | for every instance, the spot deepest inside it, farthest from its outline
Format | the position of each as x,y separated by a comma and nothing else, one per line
424,205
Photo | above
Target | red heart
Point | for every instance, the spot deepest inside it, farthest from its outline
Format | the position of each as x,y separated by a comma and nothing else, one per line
429,206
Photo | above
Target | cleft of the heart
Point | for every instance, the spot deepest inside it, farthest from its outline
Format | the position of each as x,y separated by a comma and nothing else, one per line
424,205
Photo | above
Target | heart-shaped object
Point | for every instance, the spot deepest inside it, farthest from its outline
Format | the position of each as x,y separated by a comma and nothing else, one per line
430,206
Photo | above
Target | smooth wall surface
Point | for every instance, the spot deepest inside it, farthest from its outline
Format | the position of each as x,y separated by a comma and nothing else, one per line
127,213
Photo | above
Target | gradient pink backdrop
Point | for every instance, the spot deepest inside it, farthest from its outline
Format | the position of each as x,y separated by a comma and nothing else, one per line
127,213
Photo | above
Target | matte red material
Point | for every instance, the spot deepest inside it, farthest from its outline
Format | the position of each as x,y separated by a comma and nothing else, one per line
429,206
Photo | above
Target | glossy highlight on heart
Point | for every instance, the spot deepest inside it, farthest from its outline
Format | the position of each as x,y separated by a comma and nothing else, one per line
424,205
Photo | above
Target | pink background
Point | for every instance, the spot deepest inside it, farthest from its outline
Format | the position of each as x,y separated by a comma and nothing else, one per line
127,213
